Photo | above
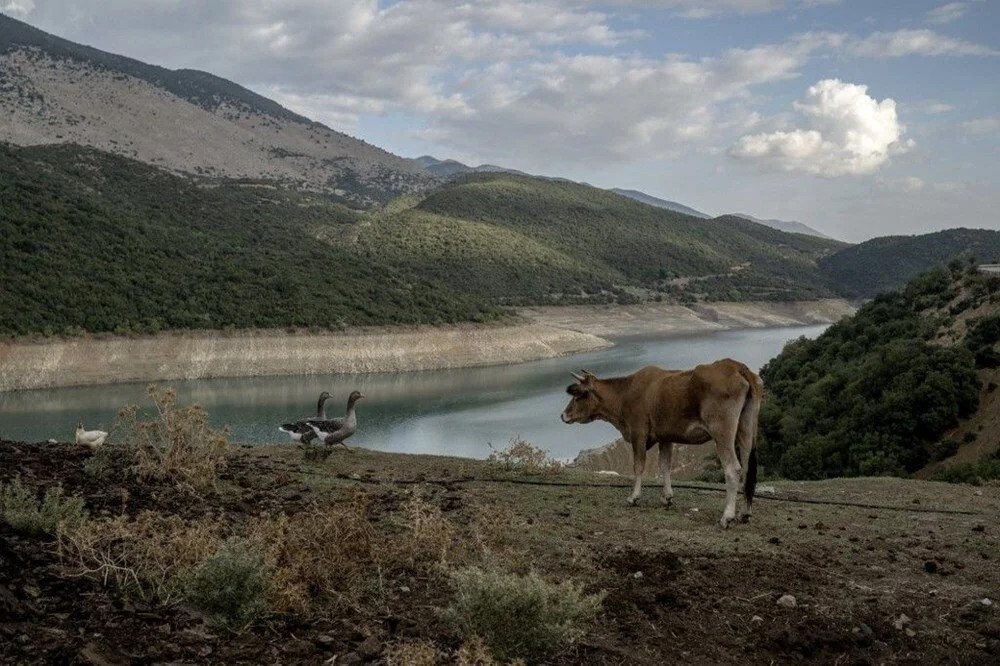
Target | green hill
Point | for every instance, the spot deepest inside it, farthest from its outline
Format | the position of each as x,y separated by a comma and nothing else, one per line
883,392
97,242
605,243
889,262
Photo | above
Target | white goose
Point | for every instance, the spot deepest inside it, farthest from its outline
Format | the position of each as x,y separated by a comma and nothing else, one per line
300,430
92,439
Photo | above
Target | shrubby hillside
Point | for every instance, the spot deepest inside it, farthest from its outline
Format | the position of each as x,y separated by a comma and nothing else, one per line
885,263
880,392
96,242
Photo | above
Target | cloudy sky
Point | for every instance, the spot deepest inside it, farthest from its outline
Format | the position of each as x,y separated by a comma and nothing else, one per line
859,118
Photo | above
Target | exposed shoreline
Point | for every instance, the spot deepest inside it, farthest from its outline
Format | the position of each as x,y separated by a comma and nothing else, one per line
549,332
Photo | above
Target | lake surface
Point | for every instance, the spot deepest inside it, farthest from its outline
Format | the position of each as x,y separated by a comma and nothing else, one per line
453,412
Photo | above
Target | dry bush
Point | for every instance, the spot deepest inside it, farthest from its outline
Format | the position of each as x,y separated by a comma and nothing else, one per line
178,445
412,653
524,458
21,509
318,553
473,652
145,556
427,535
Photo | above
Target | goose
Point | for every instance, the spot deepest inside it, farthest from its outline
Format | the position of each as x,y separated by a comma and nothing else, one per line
92,439
300,430
335,431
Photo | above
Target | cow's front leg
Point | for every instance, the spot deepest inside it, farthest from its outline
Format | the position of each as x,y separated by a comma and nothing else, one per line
638,467
666,454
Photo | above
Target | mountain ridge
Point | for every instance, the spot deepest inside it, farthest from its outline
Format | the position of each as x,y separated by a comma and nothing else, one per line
57,91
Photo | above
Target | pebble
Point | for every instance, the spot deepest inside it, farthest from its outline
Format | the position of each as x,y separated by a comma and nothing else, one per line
985,601
756,618
901,621
637,575
786,601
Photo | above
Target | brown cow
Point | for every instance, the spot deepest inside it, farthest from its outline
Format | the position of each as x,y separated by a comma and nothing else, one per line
718,401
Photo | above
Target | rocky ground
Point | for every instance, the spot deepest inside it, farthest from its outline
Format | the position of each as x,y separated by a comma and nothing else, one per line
914,584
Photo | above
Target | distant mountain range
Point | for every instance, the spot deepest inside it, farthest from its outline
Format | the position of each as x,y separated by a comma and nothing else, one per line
660,203
784,225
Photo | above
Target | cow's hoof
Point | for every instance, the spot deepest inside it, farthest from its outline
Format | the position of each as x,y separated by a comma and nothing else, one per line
745,518
724,522
667,502
632,501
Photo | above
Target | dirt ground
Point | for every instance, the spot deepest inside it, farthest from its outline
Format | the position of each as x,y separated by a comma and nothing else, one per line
871,584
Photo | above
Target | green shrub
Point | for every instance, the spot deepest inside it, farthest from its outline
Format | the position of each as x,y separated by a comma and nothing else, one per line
231,585
519,616
975,473
20,508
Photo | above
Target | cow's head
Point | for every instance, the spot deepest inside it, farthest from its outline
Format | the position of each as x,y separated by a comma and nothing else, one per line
585,403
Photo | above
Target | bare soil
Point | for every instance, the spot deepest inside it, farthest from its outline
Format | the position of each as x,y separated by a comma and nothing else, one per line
678,588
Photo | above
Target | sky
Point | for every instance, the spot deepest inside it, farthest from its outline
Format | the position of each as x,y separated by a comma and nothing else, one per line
858,118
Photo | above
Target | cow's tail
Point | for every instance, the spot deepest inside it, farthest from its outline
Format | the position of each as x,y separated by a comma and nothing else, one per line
746,432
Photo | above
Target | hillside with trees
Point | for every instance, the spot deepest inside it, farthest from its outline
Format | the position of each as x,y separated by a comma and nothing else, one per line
885,263
95,242
884,392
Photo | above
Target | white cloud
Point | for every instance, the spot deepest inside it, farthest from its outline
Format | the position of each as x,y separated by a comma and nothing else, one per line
18,8
986,125
905,185
947,13
700,9
569,108
916,42
847,132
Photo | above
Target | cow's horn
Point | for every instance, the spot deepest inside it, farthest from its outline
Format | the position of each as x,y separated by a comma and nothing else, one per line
577,377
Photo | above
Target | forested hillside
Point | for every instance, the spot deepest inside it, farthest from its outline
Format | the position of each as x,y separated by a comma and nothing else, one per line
886,263
92,241
612,242
878,392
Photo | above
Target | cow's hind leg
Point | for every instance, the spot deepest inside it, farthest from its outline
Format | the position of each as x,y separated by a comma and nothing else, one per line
666,453
638,468
723,431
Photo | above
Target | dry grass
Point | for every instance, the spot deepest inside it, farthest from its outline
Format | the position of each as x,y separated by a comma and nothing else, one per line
178,445
412,653
523,457
144,556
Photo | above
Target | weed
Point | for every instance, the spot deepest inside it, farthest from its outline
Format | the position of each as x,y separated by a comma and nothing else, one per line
178,445
146,557
231,584
20,508
524,458
519,616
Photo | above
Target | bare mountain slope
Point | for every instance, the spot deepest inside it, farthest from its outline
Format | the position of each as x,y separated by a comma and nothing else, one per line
55,91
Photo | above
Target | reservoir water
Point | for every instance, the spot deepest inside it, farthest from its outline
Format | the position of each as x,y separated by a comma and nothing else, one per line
452,412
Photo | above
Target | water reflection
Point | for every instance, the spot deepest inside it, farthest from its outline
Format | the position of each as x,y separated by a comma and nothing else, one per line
455,412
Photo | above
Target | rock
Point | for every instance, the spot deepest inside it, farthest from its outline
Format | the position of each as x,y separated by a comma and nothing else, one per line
910,632
985,601
901,621
347,659
404,589
756,619
767,490
786,601
637,575
93,654
608,472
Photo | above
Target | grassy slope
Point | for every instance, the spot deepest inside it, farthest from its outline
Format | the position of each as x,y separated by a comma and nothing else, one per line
94,241
887,263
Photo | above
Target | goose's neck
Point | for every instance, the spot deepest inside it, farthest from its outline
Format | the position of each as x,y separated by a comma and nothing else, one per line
321,408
